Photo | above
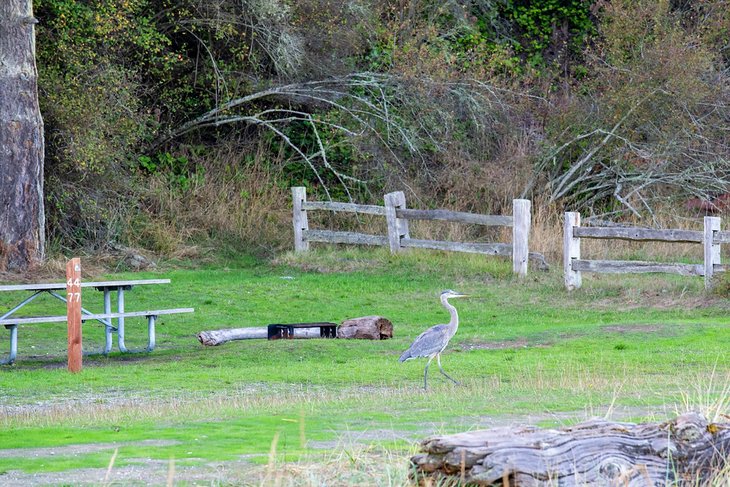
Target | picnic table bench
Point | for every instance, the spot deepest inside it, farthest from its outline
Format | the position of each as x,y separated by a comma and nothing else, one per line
11,322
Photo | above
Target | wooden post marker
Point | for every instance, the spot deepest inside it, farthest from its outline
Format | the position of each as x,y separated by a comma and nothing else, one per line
73,313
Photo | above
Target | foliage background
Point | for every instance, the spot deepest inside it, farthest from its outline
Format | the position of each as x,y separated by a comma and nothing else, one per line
615,108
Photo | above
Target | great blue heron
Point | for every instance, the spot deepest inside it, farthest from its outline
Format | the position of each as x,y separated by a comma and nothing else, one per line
433,341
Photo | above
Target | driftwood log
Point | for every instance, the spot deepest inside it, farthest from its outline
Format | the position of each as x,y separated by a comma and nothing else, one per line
685,451
367,327
213,338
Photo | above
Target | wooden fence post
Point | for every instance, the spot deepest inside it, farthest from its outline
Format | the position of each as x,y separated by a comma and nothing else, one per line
571,250
300,221
520,236
73,313
712,250
397,227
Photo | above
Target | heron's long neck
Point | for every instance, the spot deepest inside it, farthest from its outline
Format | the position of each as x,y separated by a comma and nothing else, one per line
454,323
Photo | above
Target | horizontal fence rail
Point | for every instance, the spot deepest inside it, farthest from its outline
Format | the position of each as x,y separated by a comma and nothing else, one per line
331,236
398,236
711,239
346,207
639,234
722,237
502,249
637,267
455,216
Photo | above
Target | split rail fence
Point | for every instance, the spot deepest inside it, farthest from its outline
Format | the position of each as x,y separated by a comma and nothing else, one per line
711,239
398,237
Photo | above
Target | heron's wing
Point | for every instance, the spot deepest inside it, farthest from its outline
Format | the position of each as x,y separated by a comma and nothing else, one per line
428,343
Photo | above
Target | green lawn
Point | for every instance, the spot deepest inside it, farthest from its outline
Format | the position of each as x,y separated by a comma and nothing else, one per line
305,411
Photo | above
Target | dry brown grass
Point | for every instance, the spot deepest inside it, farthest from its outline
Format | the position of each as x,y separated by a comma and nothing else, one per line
235,199
546,237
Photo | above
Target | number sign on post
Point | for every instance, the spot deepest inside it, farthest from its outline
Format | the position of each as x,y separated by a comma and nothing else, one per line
73,312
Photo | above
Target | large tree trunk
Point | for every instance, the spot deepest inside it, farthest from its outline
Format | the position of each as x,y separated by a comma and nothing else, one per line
686,451
22,221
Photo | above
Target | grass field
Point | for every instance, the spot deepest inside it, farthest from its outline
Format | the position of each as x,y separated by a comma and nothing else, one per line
336,412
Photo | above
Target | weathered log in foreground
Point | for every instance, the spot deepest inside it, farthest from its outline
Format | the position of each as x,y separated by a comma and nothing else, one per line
685,451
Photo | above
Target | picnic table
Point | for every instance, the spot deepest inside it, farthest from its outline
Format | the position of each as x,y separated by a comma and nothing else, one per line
11,322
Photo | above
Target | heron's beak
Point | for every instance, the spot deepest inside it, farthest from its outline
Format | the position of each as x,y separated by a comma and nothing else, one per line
462,296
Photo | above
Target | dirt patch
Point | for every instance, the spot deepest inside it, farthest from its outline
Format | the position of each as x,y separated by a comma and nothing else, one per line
148,472
565,418
74,450
324,267
91,359
348,439
496,345
629,300
637,328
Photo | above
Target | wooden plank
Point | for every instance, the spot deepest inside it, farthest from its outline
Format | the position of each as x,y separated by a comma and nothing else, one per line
299,218
345,207
454,216
97,284
636,266
720,268
33,320
73,313
85,317
571,250
520,236
331,236
711,250
128,314
722,237
640,234
502,249
103,284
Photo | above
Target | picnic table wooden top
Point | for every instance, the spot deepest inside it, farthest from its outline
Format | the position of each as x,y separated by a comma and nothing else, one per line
62,285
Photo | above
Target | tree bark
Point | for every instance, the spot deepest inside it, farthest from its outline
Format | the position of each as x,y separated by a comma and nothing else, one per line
685,451
22,221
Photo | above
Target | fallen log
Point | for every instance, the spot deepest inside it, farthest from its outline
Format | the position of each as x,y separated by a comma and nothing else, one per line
366,327
685,451
217,337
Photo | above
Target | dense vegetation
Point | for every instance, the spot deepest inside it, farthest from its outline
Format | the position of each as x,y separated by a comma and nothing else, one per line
200,114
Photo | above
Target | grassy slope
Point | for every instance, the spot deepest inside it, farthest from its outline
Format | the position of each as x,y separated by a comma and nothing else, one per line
523,348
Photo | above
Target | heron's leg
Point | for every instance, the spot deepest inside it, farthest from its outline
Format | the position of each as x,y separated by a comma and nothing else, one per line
438,361
425,374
